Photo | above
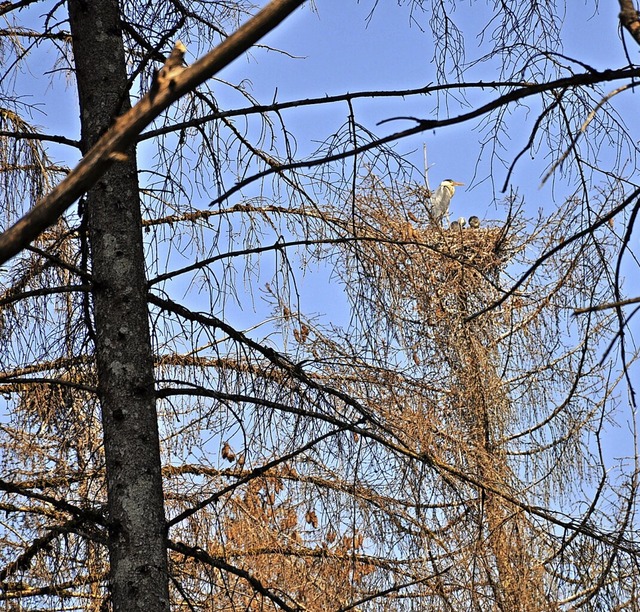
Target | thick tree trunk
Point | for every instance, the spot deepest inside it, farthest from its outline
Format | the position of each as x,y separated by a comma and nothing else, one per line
137,538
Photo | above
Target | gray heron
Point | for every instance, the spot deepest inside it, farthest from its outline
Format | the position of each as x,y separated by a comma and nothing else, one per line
455,226
440,200
474,222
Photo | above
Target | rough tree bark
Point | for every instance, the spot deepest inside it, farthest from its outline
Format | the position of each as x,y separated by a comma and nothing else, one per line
137,534
630,18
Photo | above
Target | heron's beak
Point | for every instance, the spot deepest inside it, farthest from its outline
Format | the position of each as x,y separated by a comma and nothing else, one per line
457,184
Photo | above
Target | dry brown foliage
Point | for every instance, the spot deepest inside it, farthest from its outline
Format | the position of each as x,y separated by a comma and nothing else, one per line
436,448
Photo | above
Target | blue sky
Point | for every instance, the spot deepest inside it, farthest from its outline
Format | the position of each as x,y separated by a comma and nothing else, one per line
346,46
341,49
343,46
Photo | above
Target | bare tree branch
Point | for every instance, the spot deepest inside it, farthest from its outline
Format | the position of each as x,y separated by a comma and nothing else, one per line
173,82
7,7
205,557
607,306
526,90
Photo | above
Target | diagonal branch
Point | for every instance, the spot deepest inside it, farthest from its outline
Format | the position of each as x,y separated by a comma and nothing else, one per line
172,83
204,557
38,545
523,91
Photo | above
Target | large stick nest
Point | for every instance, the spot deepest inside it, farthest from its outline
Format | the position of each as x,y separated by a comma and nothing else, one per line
410,260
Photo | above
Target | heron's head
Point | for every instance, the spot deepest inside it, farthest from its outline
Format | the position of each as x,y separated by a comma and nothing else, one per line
450,185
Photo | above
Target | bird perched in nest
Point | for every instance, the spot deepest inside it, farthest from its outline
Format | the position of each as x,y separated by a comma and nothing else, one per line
474,222
458,225
440,200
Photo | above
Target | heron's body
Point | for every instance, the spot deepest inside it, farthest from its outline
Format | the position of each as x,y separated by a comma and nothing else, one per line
440,200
